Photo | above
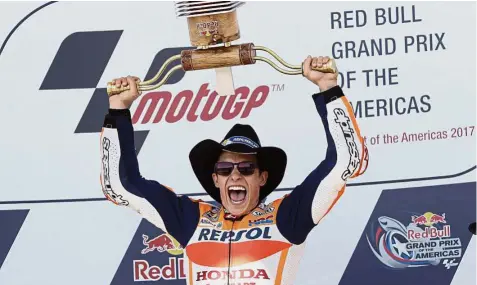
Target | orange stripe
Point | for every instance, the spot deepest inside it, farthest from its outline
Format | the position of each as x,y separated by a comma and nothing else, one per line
355,125
190,273
210,253
366,158
281,264
167,187
361,161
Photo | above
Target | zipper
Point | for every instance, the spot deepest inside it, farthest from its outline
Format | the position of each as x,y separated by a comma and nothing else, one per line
230,252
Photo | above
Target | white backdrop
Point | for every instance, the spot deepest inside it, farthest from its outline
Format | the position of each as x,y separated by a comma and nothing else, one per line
44,159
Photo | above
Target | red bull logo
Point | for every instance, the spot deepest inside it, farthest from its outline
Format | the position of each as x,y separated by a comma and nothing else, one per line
429,219
160,243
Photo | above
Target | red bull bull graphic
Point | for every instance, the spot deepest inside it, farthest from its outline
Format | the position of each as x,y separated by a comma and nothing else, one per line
429,219
419,220
161,243
435,218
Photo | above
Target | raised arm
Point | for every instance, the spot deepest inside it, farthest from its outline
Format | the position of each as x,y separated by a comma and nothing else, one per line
346,157
123,184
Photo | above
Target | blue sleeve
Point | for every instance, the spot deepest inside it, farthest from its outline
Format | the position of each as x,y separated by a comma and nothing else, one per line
310,201
123,184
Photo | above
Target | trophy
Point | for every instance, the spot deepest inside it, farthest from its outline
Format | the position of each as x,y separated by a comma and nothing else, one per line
213,26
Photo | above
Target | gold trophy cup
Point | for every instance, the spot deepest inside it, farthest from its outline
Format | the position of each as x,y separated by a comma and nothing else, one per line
213,26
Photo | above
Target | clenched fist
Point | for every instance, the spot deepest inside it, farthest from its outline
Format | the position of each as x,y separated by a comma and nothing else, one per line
124,99
324,81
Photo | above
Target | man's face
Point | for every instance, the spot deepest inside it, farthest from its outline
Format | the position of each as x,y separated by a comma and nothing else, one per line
239,192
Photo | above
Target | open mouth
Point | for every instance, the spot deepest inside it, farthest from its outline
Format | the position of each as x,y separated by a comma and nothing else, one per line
237,194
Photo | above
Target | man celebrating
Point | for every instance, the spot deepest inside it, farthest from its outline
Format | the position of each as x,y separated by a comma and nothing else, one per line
243,240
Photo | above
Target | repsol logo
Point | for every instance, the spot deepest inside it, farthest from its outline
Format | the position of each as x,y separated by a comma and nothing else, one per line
249,234
348,132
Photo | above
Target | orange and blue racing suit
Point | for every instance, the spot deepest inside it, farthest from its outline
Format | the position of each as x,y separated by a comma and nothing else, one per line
262,247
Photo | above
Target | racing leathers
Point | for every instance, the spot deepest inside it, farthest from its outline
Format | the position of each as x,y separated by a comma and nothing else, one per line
263,247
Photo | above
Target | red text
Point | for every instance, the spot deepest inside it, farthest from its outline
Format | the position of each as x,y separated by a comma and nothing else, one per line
429,233
162,105
144,272
234,274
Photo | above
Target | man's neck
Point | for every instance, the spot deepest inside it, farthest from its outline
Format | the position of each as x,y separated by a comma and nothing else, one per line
230,216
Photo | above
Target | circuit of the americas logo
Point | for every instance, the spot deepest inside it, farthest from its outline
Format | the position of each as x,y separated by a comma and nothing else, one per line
82,58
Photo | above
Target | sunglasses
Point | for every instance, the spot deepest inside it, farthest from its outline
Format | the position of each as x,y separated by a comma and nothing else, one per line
225,168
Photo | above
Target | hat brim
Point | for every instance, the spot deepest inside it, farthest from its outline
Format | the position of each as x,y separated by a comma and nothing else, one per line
204,155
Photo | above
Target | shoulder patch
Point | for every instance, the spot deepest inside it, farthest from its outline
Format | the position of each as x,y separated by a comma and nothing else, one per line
209,215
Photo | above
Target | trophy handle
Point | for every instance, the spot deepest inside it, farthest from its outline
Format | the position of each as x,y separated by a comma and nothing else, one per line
217,57
330,67
111,89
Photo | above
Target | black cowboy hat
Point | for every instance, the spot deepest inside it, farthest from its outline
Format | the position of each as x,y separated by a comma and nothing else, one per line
241,139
